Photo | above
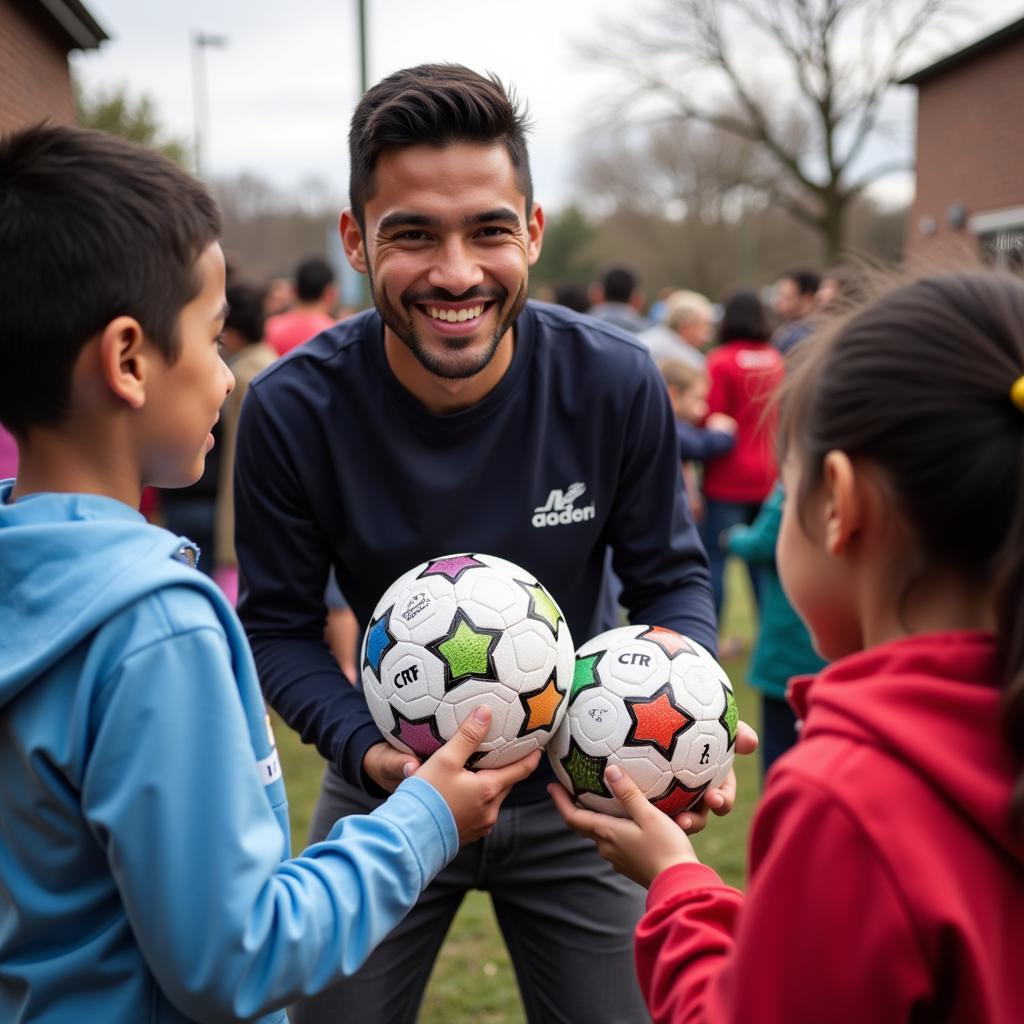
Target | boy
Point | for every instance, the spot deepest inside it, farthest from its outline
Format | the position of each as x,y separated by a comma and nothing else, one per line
143,824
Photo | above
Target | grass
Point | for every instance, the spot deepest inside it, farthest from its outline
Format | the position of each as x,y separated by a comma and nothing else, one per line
473,981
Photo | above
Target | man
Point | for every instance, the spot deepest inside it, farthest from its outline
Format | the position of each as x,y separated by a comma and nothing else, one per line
795,302
617,299
312,313
684,332
444,420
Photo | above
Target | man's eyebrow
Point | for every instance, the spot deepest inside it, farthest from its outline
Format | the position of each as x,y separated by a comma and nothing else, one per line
407,219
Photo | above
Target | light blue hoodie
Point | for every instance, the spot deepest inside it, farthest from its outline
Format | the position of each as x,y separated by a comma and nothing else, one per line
143,826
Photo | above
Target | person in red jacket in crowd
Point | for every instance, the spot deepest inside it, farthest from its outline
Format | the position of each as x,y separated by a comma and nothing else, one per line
887,855
745,371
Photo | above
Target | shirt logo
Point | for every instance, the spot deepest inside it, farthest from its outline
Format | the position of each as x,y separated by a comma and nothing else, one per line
560,509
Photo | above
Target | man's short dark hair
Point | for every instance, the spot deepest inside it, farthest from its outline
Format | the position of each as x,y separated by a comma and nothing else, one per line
434,105
312,278
806,280
91,228
618,284
743,318
245,310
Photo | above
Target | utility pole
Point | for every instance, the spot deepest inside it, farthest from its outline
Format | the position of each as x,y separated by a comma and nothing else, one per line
199,41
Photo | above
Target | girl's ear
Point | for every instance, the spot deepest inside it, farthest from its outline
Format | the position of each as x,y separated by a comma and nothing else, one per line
844,503
123,361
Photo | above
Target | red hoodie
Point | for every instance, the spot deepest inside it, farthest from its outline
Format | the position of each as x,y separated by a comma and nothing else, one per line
744,376
885,882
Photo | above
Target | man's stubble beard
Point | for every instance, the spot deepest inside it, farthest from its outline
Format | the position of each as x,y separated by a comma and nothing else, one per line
405,330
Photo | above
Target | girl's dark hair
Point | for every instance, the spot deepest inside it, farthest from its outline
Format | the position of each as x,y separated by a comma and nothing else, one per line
918,382
743,319
434,105
91,228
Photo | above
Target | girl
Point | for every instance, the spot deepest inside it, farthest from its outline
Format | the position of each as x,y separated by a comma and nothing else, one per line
887,856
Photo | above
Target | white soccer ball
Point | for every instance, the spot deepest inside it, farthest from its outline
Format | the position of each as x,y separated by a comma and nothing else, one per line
460,631
655,703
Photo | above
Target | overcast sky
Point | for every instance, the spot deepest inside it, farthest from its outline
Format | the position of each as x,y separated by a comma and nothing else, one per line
282,91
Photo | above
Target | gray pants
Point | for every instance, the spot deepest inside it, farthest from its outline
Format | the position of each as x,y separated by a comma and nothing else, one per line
566,916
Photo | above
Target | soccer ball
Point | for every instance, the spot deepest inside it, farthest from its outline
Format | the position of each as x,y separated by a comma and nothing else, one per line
460,631
655,703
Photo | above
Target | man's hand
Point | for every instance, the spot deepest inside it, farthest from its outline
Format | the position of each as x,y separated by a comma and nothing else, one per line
474,797
640,847
720,799
386,765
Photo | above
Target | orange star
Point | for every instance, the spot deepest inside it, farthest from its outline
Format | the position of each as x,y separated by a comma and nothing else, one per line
668,640
540,707
657,721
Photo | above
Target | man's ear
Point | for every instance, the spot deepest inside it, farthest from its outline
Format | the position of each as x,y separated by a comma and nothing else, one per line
844,502
123,360
352,240
534,234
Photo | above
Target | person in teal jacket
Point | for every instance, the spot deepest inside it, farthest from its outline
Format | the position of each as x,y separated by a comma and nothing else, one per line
144,843
783,647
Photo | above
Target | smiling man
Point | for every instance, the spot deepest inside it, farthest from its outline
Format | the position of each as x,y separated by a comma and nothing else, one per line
458,416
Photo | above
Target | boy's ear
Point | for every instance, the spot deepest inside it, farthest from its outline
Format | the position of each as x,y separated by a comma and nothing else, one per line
844,502
352,240
123,360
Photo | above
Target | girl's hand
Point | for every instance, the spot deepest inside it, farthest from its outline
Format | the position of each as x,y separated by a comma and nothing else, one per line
639,847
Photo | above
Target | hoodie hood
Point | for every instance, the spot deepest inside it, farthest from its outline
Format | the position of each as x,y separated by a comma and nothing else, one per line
932,702
68,562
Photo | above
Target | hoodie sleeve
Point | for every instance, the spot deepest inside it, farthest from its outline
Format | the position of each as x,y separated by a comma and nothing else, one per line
756,543
656,550
172,793
821,935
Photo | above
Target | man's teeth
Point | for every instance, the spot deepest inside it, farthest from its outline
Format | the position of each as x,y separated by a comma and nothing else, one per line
455,316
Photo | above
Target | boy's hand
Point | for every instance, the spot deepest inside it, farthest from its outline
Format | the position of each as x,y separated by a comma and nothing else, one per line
474,797
640,847
721,421
720,799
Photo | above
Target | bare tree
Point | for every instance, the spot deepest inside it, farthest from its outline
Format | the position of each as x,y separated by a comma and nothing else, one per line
800,81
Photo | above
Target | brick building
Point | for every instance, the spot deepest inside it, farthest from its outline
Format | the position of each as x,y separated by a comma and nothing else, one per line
36,37
970,154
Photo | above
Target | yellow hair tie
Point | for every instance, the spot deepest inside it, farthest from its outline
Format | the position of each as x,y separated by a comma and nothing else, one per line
1017,393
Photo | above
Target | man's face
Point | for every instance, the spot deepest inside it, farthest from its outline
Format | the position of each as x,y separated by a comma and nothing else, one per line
697,330
787,298
447,247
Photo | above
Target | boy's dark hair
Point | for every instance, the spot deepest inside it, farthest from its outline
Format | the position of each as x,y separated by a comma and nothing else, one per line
618,284
245,310
743,318
312,278
807,281
91,228
434,105
918,383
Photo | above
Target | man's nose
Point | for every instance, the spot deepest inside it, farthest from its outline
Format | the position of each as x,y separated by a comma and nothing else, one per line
455,268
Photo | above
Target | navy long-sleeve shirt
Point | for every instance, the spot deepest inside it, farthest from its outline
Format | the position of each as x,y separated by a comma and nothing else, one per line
337,464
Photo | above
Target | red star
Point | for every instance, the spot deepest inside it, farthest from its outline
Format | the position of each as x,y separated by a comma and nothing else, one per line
657,720
668,640
678,798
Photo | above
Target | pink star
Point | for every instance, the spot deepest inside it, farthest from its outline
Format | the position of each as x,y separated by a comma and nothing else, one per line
419,736
453,566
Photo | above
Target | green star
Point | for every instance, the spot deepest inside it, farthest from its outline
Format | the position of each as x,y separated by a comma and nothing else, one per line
584,675
730,716
585,772
542,606
467,651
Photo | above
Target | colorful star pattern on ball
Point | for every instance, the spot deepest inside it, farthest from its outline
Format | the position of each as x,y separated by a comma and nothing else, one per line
657,721
420,735
585,772
378,642
671,642
451,567
542,606
584,674
678,798
541,707
467,651
730,716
